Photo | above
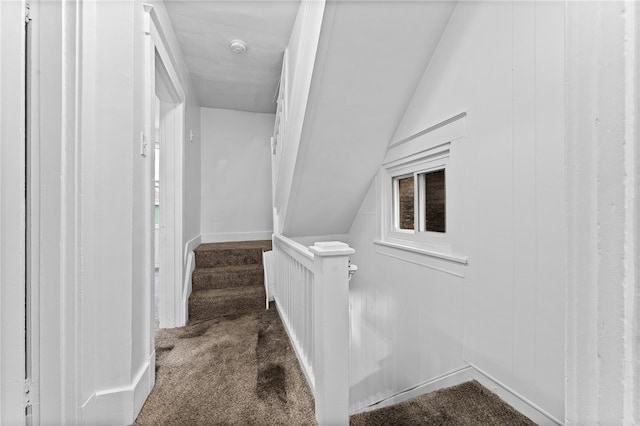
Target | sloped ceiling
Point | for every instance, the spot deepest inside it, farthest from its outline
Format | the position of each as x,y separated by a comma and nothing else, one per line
371,57
222,79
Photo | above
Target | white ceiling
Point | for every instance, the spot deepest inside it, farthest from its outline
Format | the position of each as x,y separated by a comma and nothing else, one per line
222,79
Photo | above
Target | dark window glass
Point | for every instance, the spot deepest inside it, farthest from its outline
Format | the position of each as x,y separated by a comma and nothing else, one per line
405,199
435,201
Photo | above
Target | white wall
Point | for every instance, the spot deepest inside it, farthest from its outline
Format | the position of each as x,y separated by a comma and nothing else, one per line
192,173
502,63
236,175
94,232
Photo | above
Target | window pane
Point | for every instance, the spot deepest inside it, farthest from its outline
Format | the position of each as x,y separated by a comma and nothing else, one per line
405,199
435,201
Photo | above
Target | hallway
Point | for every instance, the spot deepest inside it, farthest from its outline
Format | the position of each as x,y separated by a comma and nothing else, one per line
240,369
235,369
318,126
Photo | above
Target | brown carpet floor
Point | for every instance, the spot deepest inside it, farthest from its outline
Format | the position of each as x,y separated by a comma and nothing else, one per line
241,370
466,404
232,370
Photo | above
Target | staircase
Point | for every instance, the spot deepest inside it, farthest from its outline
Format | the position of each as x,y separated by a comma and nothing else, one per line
228,280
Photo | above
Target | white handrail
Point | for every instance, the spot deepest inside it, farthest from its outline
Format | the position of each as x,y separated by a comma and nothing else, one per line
294,301
312,298
296,250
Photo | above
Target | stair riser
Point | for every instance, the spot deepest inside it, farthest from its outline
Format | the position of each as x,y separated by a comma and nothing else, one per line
213,258
201,308
213,280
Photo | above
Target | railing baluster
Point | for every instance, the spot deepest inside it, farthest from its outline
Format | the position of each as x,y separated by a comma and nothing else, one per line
312,296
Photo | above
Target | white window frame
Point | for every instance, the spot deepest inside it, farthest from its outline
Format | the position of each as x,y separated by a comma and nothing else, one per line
396,203
424,152
421,189
427,161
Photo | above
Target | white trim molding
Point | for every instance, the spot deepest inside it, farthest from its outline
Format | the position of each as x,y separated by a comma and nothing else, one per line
603,205
171,223
121,405
189,267
12,213
451,378
462,375
513,398
236,236
432,260
187,287
429,150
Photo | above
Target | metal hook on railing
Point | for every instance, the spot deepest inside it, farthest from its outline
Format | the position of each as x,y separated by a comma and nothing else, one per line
352,269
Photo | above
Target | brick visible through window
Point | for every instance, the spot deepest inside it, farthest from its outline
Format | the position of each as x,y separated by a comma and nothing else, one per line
435,195
406,202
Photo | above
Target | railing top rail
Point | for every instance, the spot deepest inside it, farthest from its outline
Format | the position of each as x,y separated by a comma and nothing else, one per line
294,247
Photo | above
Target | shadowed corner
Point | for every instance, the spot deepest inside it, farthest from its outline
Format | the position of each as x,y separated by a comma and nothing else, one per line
161,351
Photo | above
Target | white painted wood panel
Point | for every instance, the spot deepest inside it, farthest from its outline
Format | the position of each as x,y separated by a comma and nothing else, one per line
502,63
524,205
551,215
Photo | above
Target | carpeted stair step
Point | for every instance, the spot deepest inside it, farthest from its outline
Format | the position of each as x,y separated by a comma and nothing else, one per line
227,277
210,255
208,304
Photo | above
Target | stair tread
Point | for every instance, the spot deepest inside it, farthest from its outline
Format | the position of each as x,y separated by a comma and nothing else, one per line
228,291
207,304
229,268
234,245
228,279
217,277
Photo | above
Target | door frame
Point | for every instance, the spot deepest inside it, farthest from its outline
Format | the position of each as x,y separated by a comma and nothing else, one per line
12,212
172,308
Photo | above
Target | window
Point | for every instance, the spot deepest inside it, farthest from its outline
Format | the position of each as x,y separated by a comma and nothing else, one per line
433,201
420,187
405,196
430,196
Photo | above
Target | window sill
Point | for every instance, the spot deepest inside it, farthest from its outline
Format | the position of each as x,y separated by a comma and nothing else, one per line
450,257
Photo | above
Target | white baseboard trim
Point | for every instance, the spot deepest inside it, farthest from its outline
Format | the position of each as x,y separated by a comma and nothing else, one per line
189,265
121,405
268,268
513,398
462,375
190,246
452,378
186,290
236,236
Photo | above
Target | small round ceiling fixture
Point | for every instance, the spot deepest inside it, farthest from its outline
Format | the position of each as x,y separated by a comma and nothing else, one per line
238,46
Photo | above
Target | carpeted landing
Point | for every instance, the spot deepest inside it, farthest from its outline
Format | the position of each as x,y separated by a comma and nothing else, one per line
233,363
232,370
468,404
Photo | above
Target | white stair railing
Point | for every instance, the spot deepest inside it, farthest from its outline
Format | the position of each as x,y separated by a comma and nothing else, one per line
312,297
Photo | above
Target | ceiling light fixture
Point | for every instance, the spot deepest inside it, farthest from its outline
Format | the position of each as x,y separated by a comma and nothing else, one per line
238,46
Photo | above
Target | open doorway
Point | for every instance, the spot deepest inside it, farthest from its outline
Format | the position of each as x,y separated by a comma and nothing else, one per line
167,154
156,213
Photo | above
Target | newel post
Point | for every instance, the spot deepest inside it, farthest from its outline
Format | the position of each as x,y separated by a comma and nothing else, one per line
331,310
